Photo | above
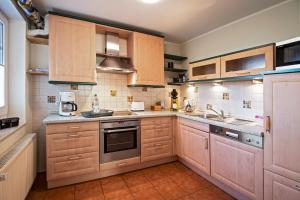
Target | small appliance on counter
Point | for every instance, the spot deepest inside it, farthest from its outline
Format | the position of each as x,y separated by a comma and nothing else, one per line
67,105
137,106
174,100
9,122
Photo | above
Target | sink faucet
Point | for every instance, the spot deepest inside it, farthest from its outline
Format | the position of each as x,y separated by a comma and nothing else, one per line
221,114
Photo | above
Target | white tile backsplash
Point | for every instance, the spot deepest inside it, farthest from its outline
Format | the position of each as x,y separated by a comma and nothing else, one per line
208,93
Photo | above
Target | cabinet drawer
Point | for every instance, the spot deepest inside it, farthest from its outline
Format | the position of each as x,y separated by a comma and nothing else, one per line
71,166
156,150
194,124
152,134
72,127
64,144
120,164
157,121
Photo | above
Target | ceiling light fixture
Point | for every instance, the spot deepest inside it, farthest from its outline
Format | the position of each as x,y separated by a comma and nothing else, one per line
150,1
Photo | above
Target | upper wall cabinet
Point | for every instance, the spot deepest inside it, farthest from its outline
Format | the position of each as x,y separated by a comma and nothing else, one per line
207,69
249,62
72,56
147,54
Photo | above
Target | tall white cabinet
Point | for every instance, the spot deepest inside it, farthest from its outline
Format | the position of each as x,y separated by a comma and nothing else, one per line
282,137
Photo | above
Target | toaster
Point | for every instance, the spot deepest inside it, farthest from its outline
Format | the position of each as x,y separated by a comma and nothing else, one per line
137,106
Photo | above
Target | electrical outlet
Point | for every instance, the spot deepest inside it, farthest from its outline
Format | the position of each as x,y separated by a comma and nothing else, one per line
145,89
208,106
113,93
247,104
51,99
225,96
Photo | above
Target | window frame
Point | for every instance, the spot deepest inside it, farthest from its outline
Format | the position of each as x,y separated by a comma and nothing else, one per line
4,109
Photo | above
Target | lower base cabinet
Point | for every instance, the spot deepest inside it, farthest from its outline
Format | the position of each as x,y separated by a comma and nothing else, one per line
237,165
277,187
195,147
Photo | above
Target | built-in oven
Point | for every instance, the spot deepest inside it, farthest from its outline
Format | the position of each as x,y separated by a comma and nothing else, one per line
288,54
119,140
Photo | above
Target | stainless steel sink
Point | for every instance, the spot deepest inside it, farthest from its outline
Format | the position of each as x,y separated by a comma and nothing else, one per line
229,120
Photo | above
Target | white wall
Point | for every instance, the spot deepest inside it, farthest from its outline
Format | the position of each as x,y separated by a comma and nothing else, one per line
271,25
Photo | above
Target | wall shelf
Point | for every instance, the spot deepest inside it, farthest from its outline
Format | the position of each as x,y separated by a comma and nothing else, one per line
35,72
177,84
175,70
38,40
175,57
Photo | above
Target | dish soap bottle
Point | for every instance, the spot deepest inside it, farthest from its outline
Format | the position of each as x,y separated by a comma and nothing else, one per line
95,104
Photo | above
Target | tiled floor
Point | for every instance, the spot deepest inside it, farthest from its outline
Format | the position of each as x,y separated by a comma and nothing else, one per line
169,181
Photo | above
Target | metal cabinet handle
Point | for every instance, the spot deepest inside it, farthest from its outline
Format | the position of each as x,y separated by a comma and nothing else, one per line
74,127
75,158
122,164
242,73
73,135
120,130
268,124
158,145
206,143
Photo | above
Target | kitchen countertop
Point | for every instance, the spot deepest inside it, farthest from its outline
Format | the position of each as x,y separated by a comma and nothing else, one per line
251,128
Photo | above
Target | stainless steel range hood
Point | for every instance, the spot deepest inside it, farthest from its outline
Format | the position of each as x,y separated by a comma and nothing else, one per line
113,62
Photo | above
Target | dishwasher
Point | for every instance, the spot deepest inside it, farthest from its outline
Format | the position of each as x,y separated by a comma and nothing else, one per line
237,161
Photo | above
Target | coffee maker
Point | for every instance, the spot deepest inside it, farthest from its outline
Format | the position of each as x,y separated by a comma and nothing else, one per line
67,105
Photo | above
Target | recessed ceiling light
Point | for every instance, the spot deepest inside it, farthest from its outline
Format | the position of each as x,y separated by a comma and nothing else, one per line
150,1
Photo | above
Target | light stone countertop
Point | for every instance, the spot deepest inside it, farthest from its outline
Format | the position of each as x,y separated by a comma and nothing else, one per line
252,128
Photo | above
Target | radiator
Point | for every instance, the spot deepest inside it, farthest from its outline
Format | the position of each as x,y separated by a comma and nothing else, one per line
18,169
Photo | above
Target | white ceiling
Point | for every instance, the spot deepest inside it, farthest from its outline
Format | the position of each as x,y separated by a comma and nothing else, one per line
178,20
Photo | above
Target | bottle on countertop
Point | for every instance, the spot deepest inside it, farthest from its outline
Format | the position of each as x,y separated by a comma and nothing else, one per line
95,104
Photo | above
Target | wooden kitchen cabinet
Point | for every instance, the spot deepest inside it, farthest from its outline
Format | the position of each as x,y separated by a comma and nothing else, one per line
72,51
72,149
248,62
195,145
237,165
206,69
147,56
281,110
277,187
156,138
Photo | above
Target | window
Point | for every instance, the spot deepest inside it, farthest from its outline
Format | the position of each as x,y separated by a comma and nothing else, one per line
3,63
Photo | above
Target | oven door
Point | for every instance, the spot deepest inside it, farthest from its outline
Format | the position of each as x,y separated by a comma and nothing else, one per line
288,55
119,143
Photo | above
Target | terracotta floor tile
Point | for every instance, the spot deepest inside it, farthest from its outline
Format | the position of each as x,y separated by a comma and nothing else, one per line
223,195
62,193
89,190
169,190
36,195
187,183
137,183
168,181
148,194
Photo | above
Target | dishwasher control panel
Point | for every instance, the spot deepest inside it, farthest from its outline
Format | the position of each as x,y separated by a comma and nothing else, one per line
246,138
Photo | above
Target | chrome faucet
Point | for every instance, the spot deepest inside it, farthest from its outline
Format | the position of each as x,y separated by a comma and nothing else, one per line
221,114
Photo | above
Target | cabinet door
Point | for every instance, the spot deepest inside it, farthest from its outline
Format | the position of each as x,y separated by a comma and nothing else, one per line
207,69
72,50
278,187
249,62
237,165
281,106
195,147
147,55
